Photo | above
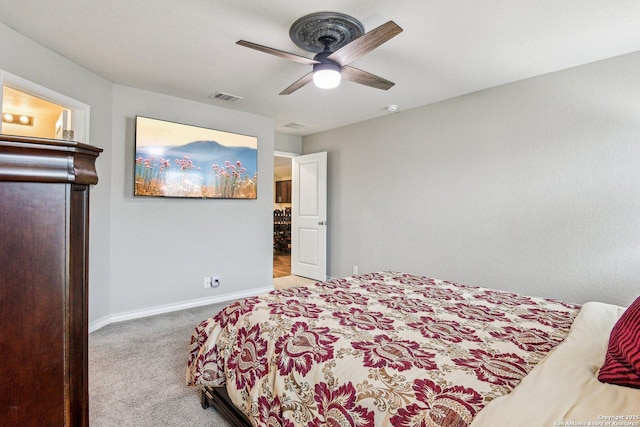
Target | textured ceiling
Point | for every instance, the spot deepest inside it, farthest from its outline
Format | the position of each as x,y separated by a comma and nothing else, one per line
448,48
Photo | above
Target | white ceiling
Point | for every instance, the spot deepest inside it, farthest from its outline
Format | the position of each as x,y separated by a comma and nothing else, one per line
448,48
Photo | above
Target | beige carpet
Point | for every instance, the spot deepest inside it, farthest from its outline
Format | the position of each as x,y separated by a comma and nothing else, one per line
137,373
137,370
291,281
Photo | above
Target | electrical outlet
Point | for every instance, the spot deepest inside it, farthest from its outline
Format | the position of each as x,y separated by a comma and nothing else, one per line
215,281
355,269
208,282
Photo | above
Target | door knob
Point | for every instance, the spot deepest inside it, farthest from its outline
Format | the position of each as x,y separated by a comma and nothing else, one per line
322,222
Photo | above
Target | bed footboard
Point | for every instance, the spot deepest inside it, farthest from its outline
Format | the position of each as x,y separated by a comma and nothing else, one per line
218,398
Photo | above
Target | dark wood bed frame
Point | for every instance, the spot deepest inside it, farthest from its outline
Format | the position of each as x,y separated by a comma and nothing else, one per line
218,398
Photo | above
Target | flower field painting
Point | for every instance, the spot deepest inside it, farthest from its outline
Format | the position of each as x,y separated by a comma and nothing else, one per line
178,160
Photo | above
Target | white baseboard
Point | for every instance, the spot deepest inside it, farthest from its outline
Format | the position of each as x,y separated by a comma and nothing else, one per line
152,311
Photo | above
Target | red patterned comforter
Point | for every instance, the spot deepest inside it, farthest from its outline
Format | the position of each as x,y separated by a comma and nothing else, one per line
376,349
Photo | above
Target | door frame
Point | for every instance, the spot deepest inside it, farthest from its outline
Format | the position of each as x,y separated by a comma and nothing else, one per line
80,111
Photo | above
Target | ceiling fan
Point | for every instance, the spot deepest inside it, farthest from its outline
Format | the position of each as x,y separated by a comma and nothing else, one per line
337,40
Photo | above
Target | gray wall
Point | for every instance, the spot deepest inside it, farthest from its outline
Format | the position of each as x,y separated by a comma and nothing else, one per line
24,58
531,187
161,249
288,143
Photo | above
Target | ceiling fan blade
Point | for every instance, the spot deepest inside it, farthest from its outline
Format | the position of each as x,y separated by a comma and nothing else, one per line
364,78
366,43
276,52
305,80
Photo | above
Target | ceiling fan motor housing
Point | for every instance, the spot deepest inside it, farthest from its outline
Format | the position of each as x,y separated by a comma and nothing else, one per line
324,62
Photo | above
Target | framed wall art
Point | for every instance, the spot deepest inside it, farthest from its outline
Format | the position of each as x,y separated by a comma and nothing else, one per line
178,160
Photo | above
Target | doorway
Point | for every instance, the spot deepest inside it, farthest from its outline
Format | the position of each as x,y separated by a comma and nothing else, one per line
282,174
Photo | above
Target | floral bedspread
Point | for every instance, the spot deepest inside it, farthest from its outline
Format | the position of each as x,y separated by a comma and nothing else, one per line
376,349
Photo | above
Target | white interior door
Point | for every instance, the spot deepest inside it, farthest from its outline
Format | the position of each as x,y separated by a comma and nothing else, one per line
309,216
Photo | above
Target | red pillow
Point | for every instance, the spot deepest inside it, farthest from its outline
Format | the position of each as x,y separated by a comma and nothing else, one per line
622,363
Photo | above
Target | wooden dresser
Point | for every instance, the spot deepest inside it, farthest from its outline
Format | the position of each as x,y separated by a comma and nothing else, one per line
44,237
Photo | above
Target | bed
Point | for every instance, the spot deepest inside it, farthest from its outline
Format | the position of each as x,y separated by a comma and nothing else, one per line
399,349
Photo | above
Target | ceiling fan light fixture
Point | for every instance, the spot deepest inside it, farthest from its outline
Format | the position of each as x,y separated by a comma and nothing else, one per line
326,75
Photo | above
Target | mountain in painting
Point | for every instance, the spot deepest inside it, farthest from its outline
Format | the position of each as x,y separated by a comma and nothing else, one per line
204,154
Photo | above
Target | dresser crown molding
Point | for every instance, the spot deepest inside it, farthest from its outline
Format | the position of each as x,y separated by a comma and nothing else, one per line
47,160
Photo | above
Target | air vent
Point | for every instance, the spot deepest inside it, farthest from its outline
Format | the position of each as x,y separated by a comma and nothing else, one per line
226,97
294,125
